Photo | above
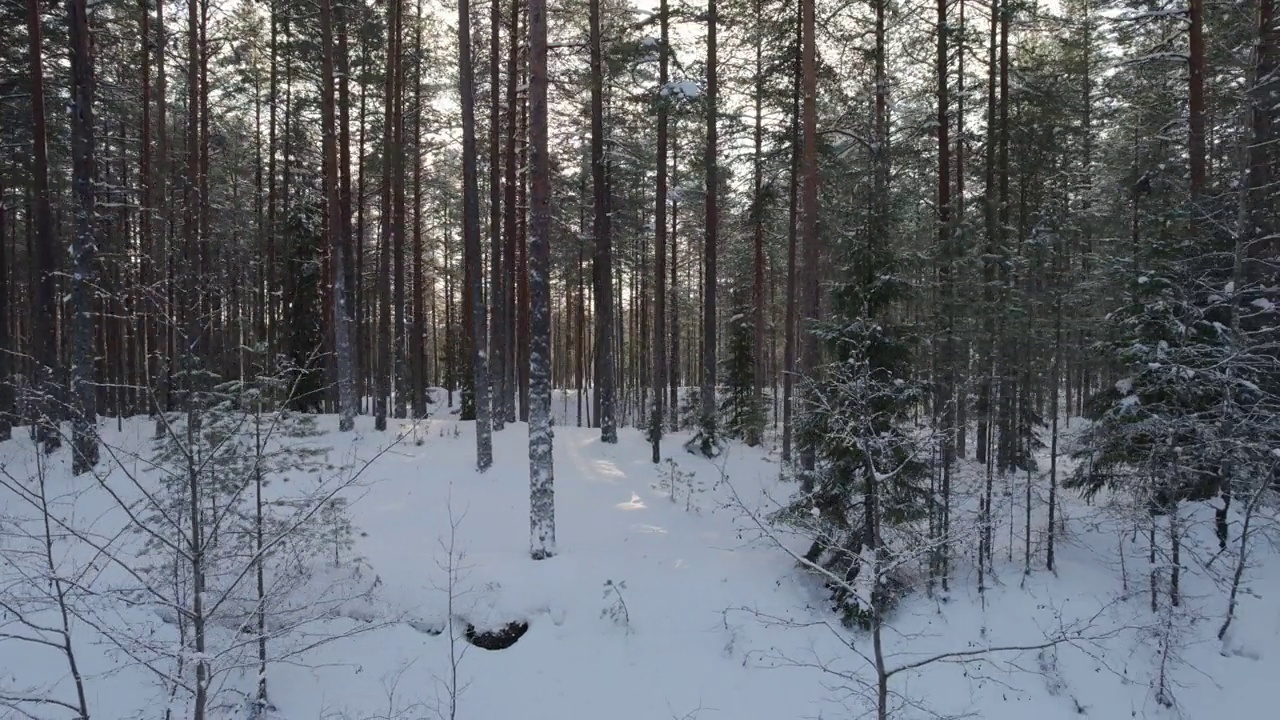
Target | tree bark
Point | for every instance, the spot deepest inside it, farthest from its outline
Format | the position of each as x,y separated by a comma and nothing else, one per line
659,340
471,241
348,240
334,227
6,349
497,295
417,329
753,436
509,220
947,391
45,325
810,351
793,217
712,188
1196,109
84,437
387,218
602,265
1258,236
398,368
541,477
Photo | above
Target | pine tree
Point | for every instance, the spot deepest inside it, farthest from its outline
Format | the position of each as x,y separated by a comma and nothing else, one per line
84,434
337,221
44,334
478,321
606,359
542,513
707,440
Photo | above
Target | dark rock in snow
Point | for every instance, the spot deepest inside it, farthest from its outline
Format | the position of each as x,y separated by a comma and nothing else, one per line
499,639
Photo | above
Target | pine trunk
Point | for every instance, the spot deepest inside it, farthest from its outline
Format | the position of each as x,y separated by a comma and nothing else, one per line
45,316
659,341
497,297
384,341
810,352
509,221
334,229
602,266
712,191
793,191
758,369
84,439
471,242
542,522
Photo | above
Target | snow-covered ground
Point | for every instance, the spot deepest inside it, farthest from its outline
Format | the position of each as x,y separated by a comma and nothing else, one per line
718,622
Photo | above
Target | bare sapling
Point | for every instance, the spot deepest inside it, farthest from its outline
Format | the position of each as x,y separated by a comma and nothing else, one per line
37,588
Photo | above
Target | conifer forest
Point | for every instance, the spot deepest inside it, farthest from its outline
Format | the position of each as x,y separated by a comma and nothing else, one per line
902,324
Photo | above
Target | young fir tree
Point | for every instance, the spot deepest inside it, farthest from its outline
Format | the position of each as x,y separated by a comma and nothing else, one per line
1159,430
742,416
871,483
304,362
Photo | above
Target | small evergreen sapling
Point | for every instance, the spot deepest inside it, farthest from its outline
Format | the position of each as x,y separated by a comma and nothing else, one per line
616,609
743,417
675,480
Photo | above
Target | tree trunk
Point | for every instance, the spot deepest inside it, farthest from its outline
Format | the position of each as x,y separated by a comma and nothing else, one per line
471,242
6,361
417,329
45,325
509,221
946,399
334,226
659,341
351,270
1196,110
793,218
191,323
712,191
1259,242
147,236
810,352
541,490
757,287
84,437
674,361
522,251
602,266
960,361
497,296
398,369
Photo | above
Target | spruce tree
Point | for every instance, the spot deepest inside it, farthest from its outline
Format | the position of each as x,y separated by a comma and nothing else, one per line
304,362
870,471
742,415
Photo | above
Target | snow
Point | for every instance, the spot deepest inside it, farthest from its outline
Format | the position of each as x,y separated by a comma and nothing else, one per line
719,623
687,89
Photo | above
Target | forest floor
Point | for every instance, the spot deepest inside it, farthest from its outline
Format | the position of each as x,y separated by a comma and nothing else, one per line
660,608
